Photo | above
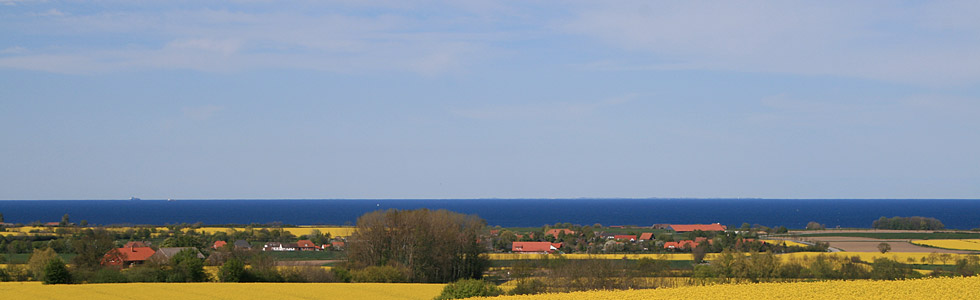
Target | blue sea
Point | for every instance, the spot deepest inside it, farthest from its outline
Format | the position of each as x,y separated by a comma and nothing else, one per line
792,213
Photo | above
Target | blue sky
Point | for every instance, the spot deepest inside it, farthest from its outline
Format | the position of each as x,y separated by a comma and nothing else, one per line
474,99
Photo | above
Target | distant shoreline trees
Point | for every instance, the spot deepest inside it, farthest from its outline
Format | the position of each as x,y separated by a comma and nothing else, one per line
908,223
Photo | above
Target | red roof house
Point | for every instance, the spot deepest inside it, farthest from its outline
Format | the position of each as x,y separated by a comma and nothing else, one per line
125,257
556,232
219,244
693,227
306,245
629,237
534,247
646,236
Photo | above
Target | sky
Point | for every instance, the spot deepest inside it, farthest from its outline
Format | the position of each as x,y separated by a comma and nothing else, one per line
489,99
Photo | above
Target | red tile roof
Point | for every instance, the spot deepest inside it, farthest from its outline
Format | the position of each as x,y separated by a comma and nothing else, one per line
646,236
537,247
305,244
693,227
218,244
122,256
625,237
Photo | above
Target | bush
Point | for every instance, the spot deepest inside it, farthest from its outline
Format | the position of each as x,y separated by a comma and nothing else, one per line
341,274
144,274
307,274
529,287
385,274
108,275
56,273
232,271
467,288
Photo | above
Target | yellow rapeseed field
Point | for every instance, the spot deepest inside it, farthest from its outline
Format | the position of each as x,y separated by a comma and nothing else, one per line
943,288
787,242
965,244
231,291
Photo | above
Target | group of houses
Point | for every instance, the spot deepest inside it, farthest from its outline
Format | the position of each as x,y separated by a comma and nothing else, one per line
302,245
137,253
548,247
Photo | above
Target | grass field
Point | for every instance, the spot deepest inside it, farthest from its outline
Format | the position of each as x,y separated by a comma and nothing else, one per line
231,291
969,244
944,288
900,235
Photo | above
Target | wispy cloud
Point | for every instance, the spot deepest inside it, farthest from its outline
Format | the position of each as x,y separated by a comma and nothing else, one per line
851,39
541,110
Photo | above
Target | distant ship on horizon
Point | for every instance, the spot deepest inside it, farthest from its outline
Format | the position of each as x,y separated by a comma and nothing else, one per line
134,199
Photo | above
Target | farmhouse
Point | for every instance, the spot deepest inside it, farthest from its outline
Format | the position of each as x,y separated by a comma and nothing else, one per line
127,257
306,245
646,236
625,237
535,247
242,244
219,244
277,246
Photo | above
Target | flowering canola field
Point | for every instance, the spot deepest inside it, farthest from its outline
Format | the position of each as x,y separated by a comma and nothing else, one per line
965,244
231,291
942,288
787,242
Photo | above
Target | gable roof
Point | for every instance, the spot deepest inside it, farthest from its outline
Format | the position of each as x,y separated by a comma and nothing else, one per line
120,256
624,237
693,227
646,236
305,244
242,244
534,247
219,244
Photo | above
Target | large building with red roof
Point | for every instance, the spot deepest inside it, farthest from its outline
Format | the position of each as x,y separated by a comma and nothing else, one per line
127,257
535,247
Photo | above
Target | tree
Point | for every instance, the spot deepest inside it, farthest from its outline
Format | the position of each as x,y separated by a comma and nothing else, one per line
187,267
91,246
1,217
64,221
232,271
55,272
435,246
814,226
39,261
884,247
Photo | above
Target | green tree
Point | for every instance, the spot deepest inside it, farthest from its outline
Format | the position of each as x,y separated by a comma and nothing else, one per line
232,271
1,217
884,247
187,267
55,272
64,221
467,288
39,261
91,246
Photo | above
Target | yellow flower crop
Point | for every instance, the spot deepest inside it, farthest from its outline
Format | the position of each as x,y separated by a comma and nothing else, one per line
786,242
944,288
971,244
236,291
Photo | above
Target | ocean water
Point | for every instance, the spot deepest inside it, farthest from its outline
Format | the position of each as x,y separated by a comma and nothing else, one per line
792,213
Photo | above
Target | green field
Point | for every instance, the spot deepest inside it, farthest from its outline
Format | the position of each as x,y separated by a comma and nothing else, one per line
902,235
